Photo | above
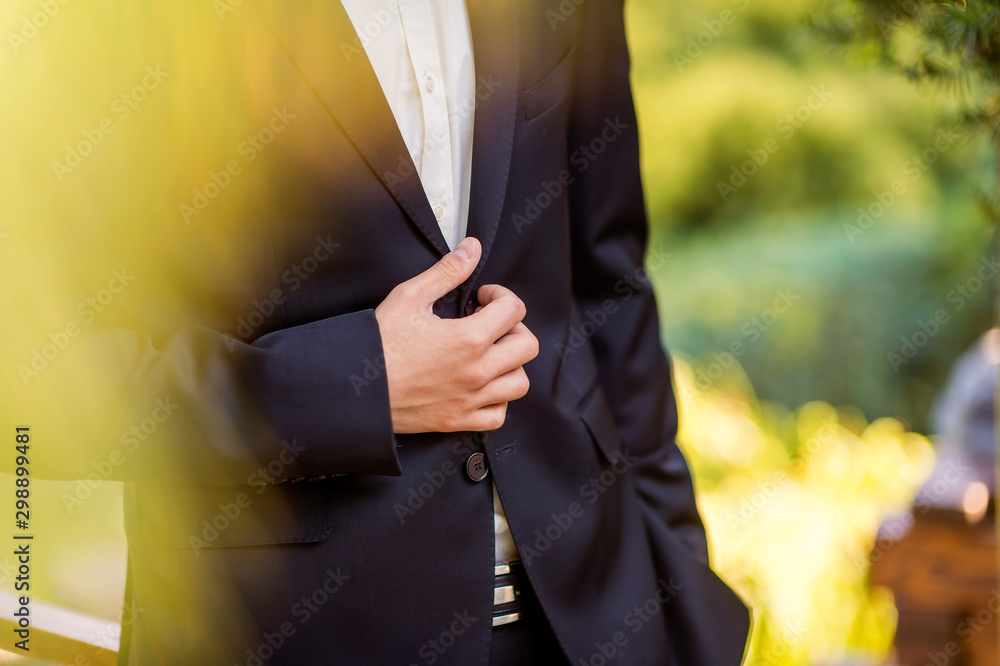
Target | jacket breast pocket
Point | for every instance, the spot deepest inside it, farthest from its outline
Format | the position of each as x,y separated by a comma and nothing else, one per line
190,516
550,90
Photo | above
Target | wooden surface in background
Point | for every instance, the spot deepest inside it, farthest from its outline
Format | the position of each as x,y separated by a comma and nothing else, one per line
943,574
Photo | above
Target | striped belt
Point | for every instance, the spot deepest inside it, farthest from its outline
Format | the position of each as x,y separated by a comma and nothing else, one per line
512,594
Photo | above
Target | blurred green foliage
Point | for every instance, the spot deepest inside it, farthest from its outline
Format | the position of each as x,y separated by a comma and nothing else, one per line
708,91
858,309
839,183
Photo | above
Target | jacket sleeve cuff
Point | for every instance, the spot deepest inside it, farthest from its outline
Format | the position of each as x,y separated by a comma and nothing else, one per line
325,390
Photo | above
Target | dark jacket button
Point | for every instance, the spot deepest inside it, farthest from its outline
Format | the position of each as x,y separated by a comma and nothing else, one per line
476,467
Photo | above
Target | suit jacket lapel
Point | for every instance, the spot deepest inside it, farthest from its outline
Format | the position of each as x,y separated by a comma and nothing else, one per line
335,66
496,47
319,38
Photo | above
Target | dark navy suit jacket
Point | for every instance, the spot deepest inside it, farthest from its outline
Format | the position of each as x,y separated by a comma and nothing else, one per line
272,515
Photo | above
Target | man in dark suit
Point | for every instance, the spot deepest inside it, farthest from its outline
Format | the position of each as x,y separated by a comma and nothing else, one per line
309,397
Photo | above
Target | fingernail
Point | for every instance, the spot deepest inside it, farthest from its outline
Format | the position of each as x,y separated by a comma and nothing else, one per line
461,250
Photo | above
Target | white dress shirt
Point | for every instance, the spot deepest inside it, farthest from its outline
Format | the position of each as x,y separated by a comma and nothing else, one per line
421,51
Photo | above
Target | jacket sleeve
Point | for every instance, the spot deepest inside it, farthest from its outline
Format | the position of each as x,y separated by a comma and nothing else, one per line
707,623
609,237
206,408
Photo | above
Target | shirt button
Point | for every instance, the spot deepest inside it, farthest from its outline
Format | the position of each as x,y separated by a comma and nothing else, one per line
429,83
438,212
476,467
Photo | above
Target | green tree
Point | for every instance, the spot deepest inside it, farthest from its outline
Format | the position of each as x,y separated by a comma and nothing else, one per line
955,45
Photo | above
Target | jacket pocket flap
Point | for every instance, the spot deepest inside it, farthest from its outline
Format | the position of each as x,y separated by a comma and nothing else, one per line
596,415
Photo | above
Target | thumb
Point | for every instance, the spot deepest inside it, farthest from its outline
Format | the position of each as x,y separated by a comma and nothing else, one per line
452,270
